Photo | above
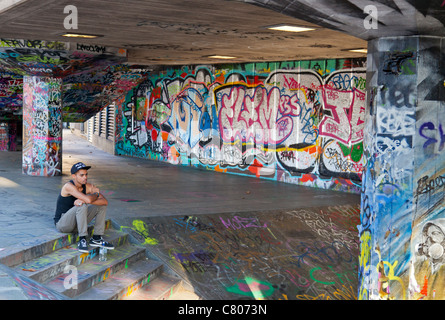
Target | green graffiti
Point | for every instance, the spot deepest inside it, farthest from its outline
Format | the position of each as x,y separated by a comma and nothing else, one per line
355,151
252,288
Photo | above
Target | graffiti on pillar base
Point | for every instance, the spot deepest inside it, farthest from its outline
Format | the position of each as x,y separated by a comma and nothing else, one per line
402,213
42,123
297,125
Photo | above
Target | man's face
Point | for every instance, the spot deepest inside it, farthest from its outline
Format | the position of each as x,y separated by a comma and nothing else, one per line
81,176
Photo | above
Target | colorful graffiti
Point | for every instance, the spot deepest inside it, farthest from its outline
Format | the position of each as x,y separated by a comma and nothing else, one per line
4,137
402,230
11,94
93,76
42,126
282,255
86,93
294,122
54,58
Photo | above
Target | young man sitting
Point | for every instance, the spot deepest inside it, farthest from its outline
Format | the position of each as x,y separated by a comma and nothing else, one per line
78,203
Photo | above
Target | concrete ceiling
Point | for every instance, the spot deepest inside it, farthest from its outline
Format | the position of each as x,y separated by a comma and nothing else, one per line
153,33
179,32
394,17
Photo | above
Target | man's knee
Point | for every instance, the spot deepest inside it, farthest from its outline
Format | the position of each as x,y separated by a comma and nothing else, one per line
103,208
82,209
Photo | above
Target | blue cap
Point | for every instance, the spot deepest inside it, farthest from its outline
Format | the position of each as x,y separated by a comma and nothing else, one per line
78,166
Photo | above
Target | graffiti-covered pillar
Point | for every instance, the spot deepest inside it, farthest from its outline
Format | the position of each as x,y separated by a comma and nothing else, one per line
42,126
402,231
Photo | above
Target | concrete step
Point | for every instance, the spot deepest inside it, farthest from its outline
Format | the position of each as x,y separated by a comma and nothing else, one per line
184,294
24,253
161,288
125,282
127,274
93,271
54,263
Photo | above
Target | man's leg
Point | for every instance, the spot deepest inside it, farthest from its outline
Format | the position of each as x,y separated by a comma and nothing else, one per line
75,217
98,212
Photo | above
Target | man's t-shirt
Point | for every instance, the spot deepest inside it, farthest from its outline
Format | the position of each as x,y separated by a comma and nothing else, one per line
65,203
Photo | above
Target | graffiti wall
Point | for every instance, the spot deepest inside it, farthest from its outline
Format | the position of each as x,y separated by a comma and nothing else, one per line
54,58
402,229
299,122
8,136
42,126
11,95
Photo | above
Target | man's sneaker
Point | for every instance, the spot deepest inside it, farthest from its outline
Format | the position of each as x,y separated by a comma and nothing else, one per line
101,243
82,246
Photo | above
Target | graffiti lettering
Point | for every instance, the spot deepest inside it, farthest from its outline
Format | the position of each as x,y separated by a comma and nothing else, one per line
239,222
439,135
427,185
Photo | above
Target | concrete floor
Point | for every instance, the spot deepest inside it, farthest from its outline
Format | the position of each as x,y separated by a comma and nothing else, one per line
179,211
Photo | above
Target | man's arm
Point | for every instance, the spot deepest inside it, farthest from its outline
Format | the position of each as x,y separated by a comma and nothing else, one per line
100,201
70,189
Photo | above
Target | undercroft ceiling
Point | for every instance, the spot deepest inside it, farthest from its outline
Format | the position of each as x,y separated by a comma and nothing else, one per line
178,32
353,17
137,37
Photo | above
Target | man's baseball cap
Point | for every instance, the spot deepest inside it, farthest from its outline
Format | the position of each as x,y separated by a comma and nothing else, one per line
78,166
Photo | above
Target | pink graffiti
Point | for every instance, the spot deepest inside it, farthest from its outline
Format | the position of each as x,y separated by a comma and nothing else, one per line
246,288
257,117
347,113
242,223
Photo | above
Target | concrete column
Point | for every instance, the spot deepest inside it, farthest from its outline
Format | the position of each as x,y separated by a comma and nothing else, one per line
42,126
402,231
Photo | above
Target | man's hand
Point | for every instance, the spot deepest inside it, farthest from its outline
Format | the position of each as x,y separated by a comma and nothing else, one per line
78,202
94,189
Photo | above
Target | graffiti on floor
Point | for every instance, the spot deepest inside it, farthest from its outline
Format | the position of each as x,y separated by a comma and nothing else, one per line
299,254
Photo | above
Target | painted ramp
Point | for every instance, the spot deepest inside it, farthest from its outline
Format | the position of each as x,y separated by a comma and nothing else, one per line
301,254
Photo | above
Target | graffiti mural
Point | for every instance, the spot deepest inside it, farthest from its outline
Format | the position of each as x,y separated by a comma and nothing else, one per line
299,122
402,228
54,58
11,94
93,76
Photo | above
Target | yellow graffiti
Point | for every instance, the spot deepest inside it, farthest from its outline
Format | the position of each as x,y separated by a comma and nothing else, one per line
365,252
106,274
140,227
82,257
384,279
343,293
390,277
69,236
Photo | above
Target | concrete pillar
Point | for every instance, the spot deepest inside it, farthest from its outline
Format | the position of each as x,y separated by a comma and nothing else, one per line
42,126
402,231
